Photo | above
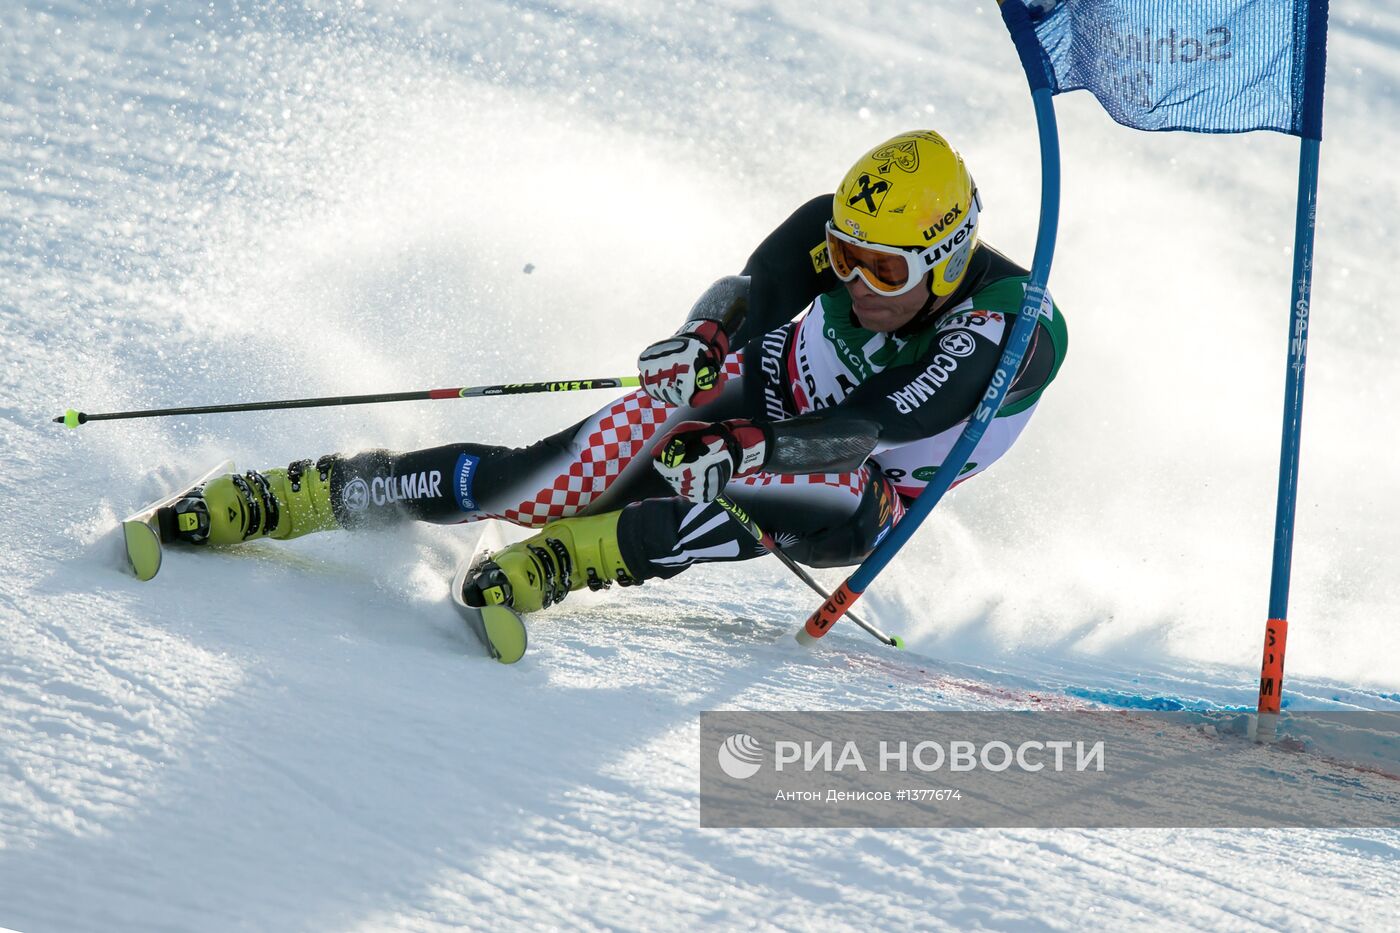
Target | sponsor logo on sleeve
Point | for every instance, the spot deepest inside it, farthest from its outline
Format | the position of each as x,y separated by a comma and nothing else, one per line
925,385
462,477
957,343
426,484
771,361
989,324
355,496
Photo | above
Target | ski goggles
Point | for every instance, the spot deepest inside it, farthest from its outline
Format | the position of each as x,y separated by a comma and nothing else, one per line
894,270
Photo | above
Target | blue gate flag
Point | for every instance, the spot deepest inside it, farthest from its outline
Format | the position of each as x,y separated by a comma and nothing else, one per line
1206,66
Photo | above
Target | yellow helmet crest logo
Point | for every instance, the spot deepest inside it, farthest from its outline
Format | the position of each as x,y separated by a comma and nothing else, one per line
903,155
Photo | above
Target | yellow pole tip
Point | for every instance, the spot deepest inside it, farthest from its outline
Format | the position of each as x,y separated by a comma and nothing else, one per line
70,418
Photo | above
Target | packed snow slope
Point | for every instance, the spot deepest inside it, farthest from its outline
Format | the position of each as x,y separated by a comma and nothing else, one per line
214,202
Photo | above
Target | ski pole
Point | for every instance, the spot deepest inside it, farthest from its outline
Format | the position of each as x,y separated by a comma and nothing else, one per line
72,418
764,538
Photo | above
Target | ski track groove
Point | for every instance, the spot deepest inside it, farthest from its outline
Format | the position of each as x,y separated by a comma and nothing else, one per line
324,796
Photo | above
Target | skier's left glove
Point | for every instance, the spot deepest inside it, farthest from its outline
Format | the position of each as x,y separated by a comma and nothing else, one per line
698,459
688,368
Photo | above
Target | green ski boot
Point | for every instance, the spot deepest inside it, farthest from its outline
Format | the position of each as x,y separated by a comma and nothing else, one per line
566,555
233,508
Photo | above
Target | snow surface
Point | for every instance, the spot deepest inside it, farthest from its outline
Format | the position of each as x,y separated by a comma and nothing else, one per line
208,202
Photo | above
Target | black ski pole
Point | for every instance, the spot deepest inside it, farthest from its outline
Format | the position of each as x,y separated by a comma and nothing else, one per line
73,418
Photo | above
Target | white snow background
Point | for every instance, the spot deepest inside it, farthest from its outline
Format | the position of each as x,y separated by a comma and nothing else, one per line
218,202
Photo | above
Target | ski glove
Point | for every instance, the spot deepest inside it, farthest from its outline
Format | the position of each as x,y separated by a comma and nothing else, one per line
698,459
688,368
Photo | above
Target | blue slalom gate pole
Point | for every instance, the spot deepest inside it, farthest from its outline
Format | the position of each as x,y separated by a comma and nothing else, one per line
1036,303
1276,629
1313,65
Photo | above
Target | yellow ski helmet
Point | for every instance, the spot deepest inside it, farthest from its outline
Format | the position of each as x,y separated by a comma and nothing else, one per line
906,207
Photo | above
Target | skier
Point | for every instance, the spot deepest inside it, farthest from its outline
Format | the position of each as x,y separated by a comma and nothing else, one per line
865,328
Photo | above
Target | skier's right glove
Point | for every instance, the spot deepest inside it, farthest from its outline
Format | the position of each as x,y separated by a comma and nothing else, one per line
687,369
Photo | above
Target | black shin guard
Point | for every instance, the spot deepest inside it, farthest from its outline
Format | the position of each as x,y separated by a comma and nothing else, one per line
659,538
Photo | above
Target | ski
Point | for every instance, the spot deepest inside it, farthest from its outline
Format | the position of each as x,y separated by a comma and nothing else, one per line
144,531
500,629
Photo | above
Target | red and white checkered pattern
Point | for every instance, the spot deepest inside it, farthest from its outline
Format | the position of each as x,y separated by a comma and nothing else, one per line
605,445
853,483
